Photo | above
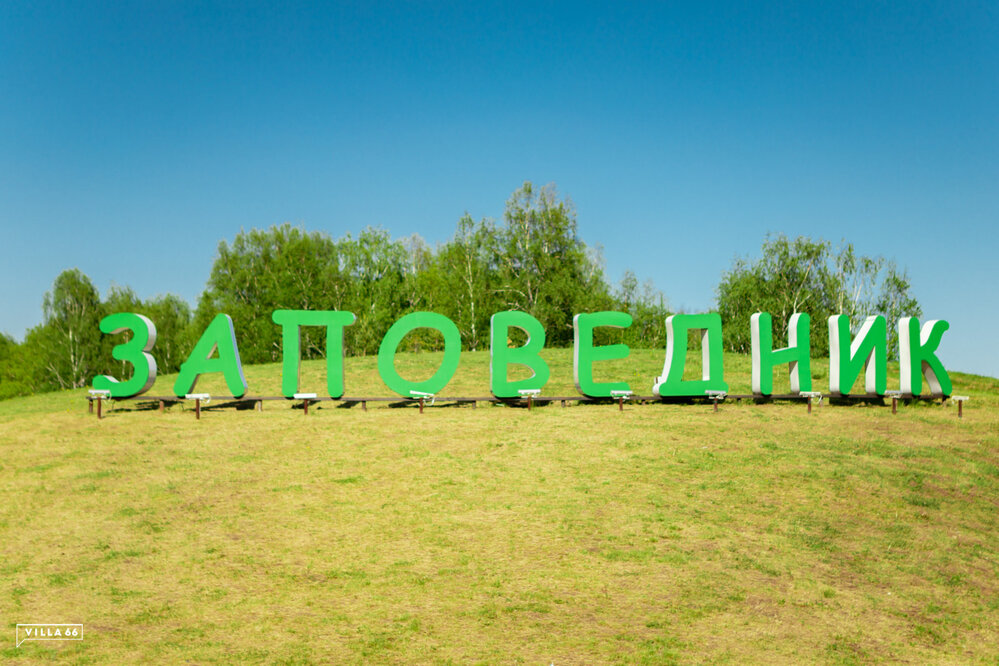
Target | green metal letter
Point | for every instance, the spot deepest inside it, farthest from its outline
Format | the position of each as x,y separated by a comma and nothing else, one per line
671,383
395,334
869,350
135,351
585,354
218,337
917,357
797,354
291,323
501,356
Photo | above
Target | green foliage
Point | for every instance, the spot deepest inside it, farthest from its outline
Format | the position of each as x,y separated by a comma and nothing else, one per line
374,286
543,267
534,262
287,268
68,349
262,271
174,334
803,275
463,282
119,299
648,309
68,342
16,372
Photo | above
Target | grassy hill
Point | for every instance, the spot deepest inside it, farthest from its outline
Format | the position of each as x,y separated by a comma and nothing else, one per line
666,533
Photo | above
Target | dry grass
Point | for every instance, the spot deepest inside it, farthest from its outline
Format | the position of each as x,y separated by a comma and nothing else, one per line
662,534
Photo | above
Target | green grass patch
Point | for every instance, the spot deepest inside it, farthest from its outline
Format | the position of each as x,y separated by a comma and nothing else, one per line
660,534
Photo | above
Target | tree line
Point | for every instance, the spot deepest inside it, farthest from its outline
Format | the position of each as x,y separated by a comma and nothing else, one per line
533,261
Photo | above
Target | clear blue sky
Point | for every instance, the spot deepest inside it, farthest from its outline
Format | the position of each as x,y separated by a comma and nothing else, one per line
136,136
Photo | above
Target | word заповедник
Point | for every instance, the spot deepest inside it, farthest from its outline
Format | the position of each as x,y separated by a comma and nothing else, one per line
849,355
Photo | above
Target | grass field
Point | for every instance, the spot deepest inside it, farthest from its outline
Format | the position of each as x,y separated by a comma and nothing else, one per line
661,534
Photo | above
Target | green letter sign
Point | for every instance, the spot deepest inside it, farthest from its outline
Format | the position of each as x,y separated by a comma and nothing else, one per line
584,353
917,359
291,322
216,351
395,334
672,383
869,350
220,337
135,351
797,353
501,355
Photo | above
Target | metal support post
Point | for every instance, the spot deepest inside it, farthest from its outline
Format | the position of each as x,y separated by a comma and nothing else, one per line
959,399
812,395
716,396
